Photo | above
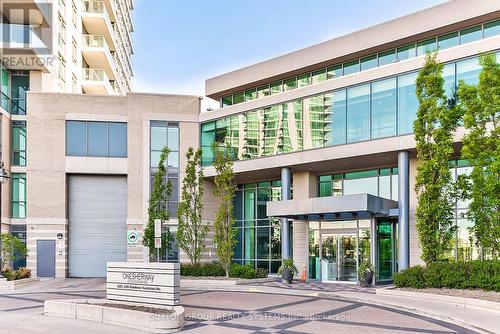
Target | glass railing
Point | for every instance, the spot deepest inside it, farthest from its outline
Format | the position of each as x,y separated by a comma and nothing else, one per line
94,74
94,41
90,6
19,34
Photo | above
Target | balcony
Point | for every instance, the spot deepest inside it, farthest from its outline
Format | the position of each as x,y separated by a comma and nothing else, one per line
22,48
96,82
96,20
40,12
97,54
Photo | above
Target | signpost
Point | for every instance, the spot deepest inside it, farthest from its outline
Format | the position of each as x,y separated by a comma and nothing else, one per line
132,238
151,283
157,239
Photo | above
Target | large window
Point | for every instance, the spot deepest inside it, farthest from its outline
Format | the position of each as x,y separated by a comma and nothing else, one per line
166,134
96,139
403,52
5,88
18,209
20,83
18,143
379,182
372,110
258,237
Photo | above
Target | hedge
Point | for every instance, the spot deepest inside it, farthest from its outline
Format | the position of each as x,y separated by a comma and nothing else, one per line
475,274
215,269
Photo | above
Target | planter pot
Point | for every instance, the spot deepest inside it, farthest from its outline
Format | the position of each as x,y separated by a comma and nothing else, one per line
367,280
286,276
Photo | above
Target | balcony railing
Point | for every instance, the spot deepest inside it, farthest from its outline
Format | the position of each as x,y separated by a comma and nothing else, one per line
94,74
15,34
94,41
92,6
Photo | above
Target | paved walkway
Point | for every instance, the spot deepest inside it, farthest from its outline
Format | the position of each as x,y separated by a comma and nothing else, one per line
265,308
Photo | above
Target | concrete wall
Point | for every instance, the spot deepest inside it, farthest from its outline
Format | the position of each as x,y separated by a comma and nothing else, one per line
48,166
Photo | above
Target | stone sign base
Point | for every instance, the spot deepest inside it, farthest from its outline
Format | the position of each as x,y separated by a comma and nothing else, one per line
95,310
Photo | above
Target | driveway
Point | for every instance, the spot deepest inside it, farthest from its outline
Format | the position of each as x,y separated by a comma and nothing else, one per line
219,312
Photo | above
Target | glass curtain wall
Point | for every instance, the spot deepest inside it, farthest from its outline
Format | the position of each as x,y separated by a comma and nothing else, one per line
5,89
20,85
18,209
18,143
258,238
382,108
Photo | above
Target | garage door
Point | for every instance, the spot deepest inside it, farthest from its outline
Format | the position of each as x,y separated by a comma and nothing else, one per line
97,223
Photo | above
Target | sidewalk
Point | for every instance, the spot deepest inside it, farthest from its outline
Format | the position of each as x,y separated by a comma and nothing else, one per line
478,320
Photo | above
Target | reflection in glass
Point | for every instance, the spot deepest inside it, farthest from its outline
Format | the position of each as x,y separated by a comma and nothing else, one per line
358,113
470,34
448,41
384,108
407,102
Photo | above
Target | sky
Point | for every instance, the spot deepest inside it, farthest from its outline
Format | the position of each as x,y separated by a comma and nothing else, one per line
178,44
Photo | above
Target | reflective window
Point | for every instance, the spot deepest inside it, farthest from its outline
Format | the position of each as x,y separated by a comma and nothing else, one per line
319,76
18,143
369,62
97,144
290,84
5,96
387,57
263,91
449,80
117,139
227,101
470,34
339,117
406,52
239,97
351,67
358,113
492,29
20,84
76,138
428,45
18,195
407,102
276,87
468,70
384,108
250,94
207,138
448,41
304,80
334,72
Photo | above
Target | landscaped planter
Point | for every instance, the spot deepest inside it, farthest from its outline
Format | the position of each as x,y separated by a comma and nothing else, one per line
13,285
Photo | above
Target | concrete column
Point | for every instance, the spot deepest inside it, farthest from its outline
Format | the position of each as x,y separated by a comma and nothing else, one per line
300,246
285,226
404,210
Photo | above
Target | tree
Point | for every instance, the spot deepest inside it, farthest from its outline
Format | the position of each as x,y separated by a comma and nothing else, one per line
434,127
12,250
225,232
191,233
480,105
162,189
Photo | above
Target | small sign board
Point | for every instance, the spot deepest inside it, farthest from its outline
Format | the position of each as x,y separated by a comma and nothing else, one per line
150,283
132,238
157,242
157,229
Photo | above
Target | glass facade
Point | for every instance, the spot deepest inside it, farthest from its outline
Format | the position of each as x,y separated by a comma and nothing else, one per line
166,134
20,85
5,88
18,143
379,182
18,209
96,139
373,110
19,231
420,48
258,237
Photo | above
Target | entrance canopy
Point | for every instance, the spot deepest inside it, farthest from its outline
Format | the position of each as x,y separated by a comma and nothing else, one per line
333,207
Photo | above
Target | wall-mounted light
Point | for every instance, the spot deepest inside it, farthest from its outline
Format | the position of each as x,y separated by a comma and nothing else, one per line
59,236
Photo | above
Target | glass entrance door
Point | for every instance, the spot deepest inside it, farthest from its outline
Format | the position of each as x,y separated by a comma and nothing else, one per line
338,257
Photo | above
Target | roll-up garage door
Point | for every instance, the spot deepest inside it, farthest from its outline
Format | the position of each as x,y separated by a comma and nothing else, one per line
97,223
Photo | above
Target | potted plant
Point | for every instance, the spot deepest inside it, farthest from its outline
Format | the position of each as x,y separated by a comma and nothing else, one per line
365,273
287,270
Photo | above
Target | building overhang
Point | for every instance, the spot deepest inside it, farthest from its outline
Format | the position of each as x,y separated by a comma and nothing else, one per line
333,207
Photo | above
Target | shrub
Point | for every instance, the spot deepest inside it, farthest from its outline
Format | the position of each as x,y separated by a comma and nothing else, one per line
239,271
9,274
452,275
288,264
261,273
203,269
412,277
23,273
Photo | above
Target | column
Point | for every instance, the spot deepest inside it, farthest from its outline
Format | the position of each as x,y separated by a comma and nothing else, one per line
404,210
285,226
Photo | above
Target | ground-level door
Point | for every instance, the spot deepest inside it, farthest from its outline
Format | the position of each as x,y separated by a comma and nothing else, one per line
338,261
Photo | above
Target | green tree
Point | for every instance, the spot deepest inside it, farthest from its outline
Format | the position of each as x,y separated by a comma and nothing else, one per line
480,105
191,233
162,189
437,119
225,232
12,250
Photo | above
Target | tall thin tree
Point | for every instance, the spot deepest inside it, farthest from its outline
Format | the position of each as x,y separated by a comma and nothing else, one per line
191,231
434,128
480,105
225,188
158,206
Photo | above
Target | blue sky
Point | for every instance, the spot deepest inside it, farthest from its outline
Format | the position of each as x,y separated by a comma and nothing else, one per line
180,43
